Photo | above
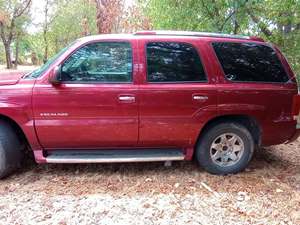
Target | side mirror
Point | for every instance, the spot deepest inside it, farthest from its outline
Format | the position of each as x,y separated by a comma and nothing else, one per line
54,77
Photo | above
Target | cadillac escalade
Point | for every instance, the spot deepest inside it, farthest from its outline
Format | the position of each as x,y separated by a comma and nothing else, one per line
151,96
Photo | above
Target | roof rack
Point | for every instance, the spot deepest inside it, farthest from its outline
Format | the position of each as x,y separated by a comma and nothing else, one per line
197,34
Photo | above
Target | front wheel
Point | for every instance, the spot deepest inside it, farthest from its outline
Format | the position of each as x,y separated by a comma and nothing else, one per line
225,148
11,153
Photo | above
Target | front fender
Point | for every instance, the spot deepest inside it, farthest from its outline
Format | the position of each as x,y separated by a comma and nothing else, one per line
15,104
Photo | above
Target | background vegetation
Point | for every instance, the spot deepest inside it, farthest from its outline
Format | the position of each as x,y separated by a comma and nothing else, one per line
62,21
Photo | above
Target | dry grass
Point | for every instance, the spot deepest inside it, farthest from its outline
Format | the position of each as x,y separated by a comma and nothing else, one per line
266,193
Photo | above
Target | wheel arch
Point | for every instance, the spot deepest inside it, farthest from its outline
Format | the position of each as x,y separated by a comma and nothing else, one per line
249,122
17,128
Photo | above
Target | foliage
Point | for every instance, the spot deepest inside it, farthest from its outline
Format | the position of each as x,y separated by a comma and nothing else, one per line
134,19
68,24
276,21
66,20
13,17
109,15
194,15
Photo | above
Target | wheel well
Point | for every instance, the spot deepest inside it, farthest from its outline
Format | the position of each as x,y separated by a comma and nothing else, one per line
17,128
249,122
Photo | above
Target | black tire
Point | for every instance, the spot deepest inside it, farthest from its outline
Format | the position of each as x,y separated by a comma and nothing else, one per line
11,152
210,135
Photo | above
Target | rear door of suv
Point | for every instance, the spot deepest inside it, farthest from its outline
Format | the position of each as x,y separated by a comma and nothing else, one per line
177,93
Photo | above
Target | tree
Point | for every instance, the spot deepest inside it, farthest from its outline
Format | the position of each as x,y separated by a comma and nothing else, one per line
196,15
66,21
12,11
49,16
275,21
73,19
134,19
109,15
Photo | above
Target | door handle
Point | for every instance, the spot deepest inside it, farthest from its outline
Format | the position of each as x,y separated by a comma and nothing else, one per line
126,98
200,97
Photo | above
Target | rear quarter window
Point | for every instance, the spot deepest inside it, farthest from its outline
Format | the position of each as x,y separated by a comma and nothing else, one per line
250,62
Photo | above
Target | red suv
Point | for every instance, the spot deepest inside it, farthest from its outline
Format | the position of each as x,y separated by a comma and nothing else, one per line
151,96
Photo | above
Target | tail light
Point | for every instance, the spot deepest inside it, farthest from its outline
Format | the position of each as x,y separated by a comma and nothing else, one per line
296,110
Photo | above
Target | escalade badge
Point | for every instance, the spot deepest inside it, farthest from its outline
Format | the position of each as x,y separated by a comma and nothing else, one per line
54,114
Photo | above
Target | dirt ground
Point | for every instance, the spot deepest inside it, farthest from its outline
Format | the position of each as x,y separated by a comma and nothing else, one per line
268,192
20,68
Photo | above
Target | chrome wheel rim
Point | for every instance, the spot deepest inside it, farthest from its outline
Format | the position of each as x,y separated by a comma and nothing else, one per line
227,149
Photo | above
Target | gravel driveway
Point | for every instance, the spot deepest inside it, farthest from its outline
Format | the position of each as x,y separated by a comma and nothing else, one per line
138,193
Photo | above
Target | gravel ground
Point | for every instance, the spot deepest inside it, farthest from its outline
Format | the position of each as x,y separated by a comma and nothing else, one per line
20,68
138,193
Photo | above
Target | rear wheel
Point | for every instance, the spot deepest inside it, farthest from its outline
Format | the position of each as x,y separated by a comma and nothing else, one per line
11,153
225,148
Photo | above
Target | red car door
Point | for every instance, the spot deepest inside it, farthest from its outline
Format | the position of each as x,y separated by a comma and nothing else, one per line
95,104
177,95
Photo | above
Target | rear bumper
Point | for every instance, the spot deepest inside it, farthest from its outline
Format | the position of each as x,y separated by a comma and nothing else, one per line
298,121
296,113
296,135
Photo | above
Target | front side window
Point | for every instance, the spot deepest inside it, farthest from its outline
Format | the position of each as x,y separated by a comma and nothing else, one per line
173,62
38,72
99,62
250,62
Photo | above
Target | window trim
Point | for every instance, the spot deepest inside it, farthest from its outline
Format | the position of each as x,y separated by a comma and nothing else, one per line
174,82
248,82
101,82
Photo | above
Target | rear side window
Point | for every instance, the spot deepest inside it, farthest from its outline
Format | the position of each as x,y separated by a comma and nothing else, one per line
250,62
173,62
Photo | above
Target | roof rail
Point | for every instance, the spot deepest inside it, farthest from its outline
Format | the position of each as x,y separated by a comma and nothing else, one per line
197,34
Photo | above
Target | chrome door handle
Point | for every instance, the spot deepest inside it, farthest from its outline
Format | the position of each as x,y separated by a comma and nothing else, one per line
200,97
127,98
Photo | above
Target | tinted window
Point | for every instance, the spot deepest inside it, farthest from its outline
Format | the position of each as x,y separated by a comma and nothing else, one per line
250,62
99,62
173,62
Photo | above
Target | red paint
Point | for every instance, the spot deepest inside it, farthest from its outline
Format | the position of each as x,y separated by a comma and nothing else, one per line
10,77
160,115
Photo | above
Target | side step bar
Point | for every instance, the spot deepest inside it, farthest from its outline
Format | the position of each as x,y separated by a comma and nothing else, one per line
113,156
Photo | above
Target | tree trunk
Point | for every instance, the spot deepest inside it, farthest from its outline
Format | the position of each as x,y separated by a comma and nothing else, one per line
7,55
46,45
17,52
45,59
45,30
235,22
56,45
107,14
102,17
236,27
85,26
263,27
280,27
287,28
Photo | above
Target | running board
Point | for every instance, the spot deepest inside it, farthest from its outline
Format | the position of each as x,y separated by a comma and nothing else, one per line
114,156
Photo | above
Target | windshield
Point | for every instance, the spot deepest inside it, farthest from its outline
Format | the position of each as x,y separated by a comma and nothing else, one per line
36,73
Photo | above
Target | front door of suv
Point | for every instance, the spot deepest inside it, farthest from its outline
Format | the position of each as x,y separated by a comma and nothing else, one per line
95,104
176,95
